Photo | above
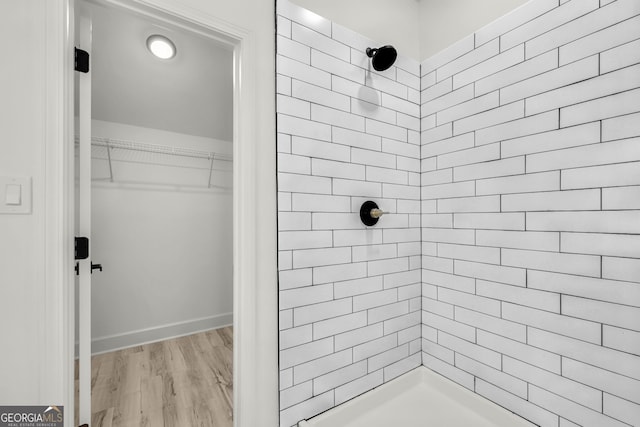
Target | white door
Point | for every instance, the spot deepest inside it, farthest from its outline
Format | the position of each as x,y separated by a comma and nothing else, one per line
84,224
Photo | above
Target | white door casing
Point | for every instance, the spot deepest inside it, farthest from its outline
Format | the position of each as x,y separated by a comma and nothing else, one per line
84,224
254,228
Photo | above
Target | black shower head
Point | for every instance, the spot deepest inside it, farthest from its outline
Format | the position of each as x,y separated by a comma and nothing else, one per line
383,57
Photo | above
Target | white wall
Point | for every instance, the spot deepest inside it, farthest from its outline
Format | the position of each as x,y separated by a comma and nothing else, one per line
531,153
34,371
166,245
349,294
22,121
158,136
444,22
385,21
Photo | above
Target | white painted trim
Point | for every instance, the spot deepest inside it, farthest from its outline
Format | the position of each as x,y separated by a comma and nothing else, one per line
83,203
255,256
56,363
159,333
68,220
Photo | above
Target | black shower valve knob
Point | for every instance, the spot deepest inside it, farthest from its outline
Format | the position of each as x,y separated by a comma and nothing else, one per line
370,213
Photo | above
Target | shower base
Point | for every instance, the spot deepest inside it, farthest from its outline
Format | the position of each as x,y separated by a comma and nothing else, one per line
420,398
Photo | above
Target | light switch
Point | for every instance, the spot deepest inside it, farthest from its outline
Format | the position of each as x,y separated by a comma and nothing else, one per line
13,195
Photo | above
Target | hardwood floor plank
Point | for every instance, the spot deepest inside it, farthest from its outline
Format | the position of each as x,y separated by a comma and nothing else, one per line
182,382
103,398
127,412
222,413
157,363
151,402
133,373
174,360
102,418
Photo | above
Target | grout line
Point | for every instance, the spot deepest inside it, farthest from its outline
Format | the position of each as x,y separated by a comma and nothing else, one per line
601,195
560,241
561,303
561,364
560,176
601,267
600,130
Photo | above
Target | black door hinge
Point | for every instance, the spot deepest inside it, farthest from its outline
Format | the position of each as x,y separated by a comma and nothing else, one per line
82,248
82,60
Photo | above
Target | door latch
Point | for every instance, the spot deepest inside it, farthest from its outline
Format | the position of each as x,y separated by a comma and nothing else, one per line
93,267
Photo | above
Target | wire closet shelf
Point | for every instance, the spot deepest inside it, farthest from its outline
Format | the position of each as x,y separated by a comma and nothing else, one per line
138,161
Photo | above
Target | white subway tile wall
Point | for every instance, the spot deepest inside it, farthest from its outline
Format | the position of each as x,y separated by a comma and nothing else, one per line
531,212
509,262
350,295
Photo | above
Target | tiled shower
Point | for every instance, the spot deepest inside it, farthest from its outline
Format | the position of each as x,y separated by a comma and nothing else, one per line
509,259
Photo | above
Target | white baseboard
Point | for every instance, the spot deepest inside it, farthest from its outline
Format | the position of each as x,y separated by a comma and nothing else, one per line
158,333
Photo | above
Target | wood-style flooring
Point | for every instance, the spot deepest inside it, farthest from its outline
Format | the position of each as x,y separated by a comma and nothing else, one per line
182,382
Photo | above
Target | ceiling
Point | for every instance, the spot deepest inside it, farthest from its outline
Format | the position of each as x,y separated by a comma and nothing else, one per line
191,93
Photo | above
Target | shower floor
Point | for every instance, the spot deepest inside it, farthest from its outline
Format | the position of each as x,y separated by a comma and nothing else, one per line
419,398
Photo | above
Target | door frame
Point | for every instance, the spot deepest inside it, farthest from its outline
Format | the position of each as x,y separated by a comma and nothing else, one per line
254,200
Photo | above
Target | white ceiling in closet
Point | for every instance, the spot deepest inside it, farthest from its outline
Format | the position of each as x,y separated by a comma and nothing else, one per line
191,93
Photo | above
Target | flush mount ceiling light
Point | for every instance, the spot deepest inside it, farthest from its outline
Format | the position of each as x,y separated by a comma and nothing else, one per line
161,47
